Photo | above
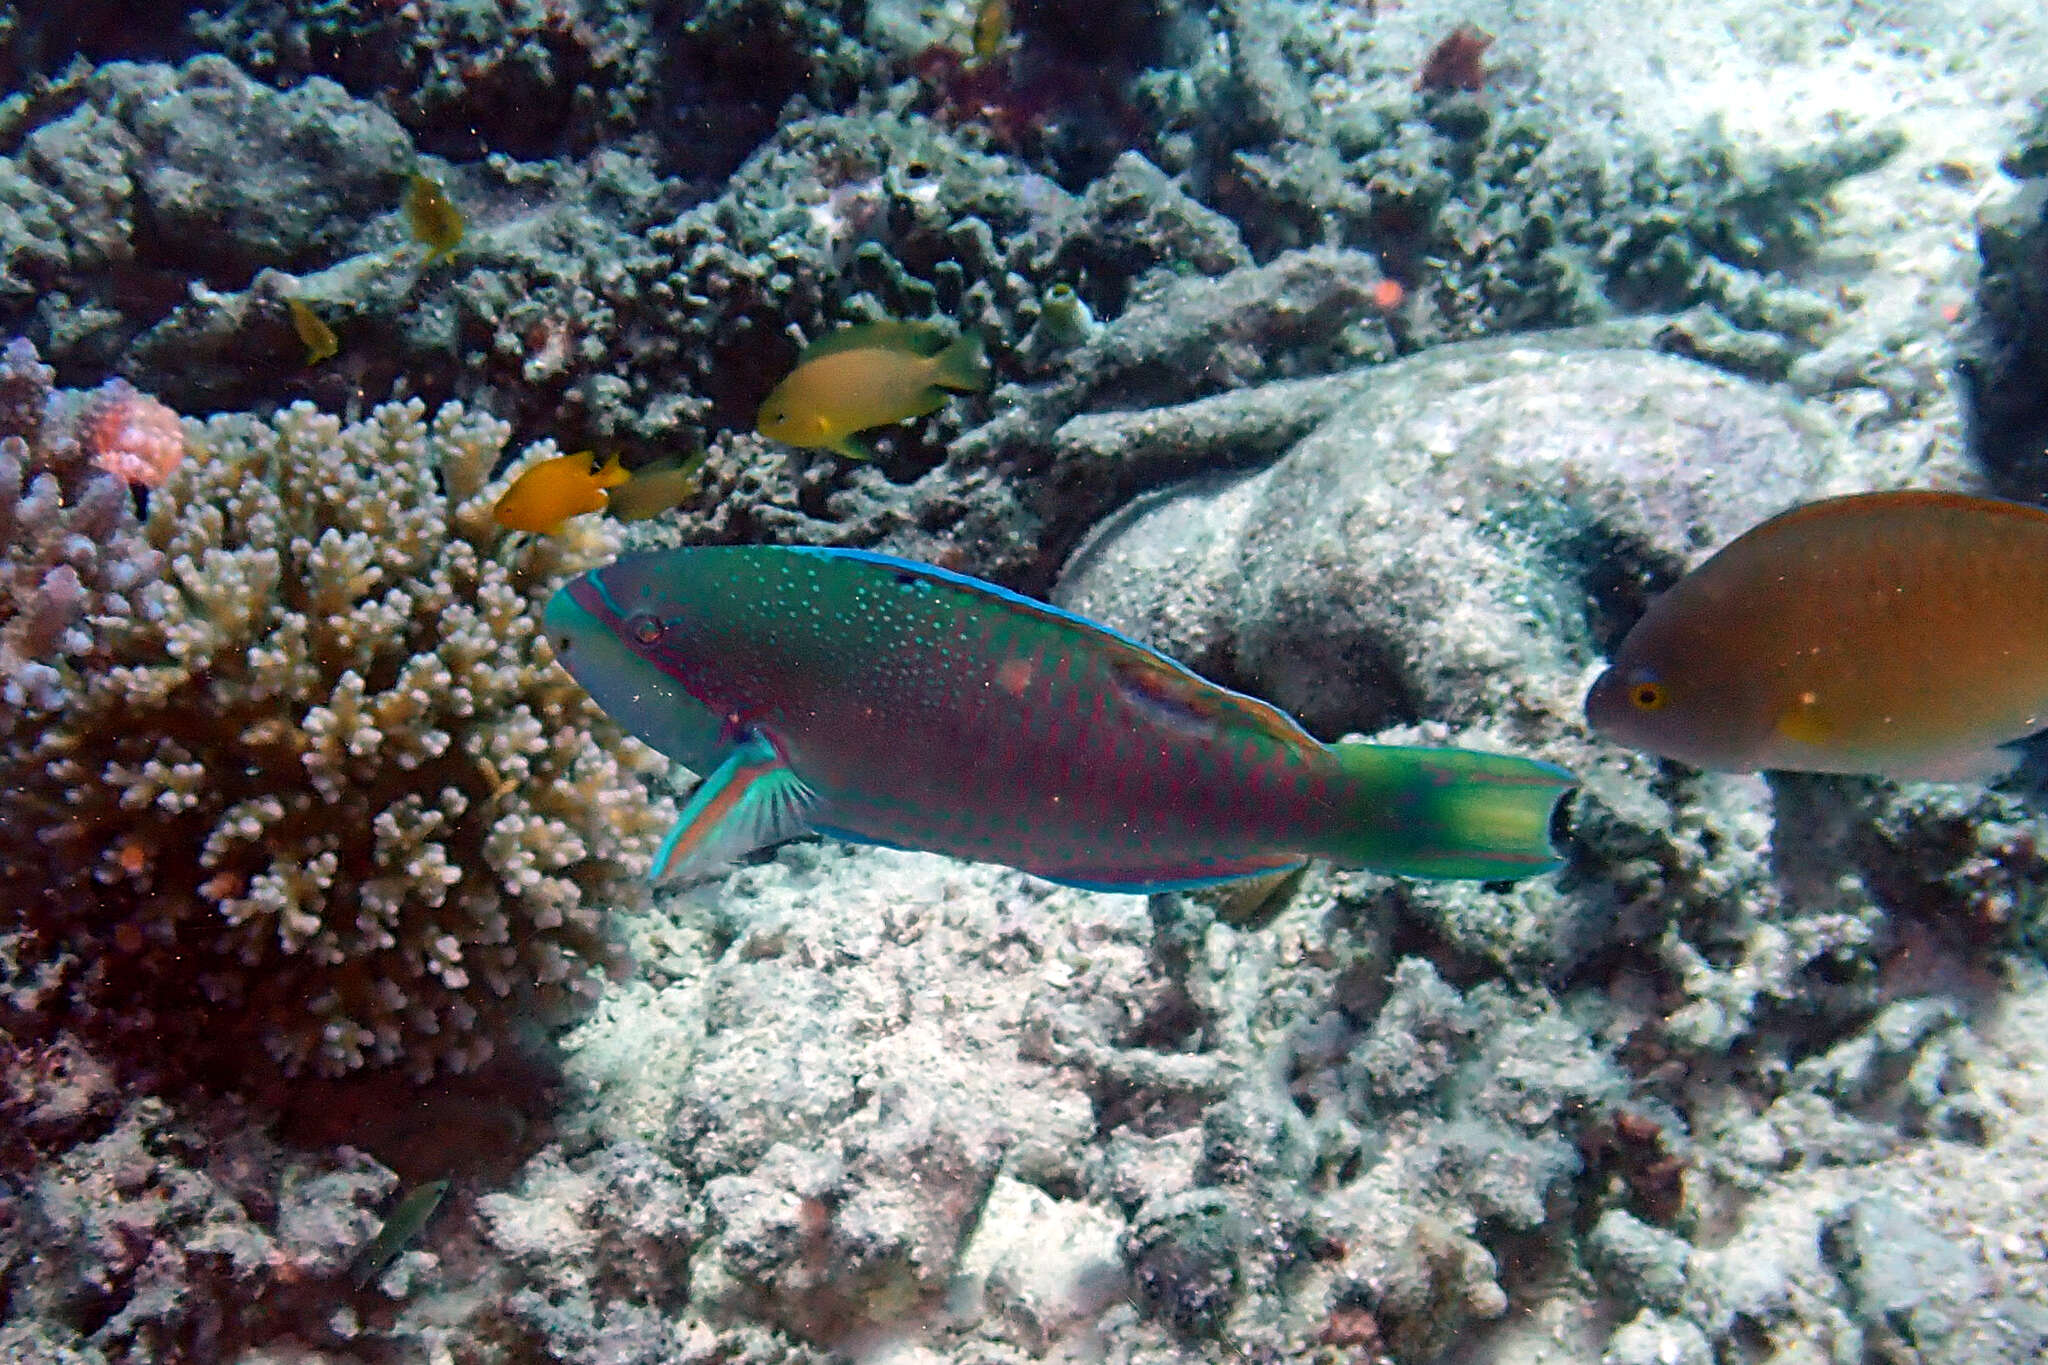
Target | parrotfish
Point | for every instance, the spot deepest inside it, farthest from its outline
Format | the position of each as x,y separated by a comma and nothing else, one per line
884,701
1900,634
873,375
547,495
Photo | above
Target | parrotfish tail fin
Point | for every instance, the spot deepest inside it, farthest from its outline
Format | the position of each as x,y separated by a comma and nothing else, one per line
962,366
750,801
1447,812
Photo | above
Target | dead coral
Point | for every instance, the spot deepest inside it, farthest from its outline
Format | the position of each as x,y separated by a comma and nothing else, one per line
299,778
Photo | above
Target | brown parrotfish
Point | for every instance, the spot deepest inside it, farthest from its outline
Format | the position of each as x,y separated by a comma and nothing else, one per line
1901,634
889,702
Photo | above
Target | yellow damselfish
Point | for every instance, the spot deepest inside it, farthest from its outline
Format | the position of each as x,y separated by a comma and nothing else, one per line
1900,634
655,488
314,333
547,495
435,221
871,375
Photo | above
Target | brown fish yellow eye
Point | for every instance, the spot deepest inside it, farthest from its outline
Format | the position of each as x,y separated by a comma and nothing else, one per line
1647,696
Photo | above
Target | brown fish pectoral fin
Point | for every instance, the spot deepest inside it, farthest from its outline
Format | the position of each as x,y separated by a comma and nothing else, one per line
1805,722
753,799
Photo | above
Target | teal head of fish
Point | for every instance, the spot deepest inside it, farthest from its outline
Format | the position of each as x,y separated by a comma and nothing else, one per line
884,701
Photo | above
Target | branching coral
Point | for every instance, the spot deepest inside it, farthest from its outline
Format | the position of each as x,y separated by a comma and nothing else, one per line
301,772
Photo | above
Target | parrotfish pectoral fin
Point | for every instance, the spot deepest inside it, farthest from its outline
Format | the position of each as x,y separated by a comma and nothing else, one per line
750,801
1447,813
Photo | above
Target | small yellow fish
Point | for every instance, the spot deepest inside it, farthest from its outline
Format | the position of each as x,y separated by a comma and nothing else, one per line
655,488
1902,634
991,27
319,338
872,375
547,495
435,220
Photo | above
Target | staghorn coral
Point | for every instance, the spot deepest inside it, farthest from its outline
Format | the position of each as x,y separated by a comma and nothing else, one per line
74,553
310,784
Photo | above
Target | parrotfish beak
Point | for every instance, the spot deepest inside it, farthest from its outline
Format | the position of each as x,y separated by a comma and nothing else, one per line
588,631
575,624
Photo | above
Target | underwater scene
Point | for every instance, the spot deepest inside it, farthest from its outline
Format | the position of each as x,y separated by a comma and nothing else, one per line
893,682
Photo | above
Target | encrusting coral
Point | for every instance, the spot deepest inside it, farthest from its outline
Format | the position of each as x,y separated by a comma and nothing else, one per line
286,765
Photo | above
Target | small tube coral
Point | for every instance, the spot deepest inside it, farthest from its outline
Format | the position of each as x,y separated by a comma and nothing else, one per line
309,785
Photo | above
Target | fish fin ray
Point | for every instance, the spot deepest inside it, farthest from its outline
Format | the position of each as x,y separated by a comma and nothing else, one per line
854,446
963,366
1454,813
1165,686
925,339
1805,723
751,800
1970,765
1158,881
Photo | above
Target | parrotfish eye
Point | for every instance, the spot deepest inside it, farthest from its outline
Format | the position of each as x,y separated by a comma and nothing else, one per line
1647,694
644,629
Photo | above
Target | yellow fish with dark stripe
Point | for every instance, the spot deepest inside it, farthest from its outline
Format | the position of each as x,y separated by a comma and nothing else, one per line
1900,634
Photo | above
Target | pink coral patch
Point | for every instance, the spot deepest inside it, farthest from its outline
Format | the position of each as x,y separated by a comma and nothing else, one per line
131,435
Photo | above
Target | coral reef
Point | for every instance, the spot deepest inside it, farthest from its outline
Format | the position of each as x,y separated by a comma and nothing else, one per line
292,801
291,769
2010,351
139,1232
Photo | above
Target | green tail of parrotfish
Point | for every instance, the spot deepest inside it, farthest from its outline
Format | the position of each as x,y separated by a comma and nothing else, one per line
889,702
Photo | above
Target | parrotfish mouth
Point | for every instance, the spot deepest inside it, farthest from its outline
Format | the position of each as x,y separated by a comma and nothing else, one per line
591,639
577,621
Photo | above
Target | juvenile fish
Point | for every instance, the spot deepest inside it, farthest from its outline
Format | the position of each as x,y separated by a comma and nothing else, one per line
408,1219
313,332
889,702
543,498
435,221
1902,634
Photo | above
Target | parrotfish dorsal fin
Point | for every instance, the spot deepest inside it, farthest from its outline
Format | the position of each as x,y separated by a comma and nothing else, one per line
750,801
1157,679
912,338
1168,687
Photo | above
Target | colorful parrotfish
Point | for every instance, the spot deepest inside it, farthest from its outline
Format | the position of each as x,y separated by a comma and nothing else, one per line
889,702
883,700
